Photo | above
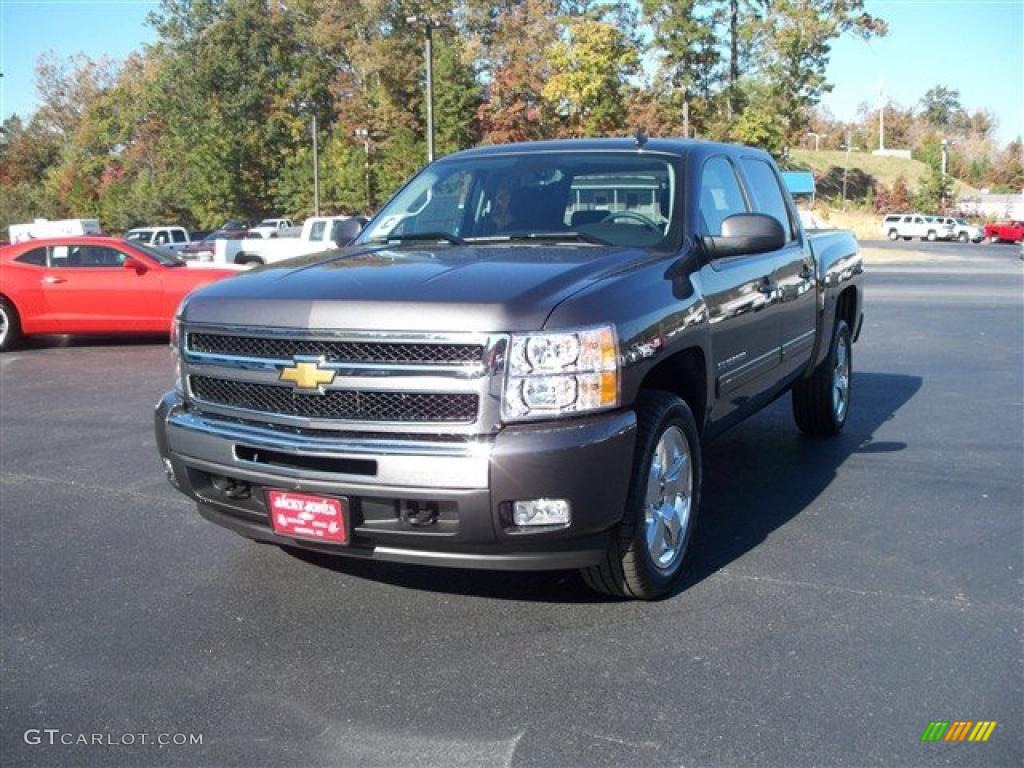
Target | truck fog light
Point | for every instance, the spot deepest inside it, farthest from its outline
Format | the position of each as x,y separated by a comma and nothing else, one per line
541,512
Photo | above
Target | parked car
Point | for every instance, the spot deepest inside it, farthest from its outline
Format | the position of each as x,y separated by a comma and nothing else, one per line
171,238
204,249
911,225
41,228
516,364
270,227
319,233
91,285
1005,232
961,230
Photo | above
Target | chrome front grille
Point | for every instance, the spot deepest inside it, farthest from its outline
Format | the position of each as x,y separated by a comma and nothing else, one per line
338,404
383,381
342,351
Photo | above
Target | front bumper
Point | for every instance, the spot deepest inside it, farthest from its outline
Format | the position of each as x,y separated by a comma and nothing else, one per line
468,486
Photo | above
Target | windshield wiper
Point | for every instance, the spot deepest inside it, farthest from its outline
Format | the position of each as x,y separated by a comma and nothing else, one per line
584,237
453,239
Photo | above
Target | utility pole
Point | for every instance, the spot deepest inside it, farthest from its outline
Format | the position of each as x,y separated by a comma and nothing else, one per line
946,144
364,134
846,168
428,52
316,170
686,117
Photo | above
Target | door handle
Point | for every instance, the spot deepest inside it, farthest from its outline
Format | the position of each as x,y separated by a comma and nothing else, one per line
53,280
767,285
807,272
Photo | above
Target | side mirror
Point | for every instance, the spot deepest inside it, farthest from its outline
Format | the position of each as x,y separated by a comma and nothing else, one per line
130,262
348,230
746,234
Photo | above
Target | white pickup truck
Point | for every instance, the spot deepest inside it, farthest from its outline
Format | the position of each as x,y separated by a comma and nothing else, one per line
319,233
41,228
171,238
270,228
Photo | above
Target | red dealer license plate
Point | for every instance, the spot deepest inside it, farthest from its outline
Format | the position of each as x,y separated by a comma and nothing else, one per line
308,517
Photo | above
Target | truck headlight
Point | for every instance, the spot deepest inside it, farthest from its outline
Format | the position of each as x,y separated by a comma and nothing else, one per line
560,373
176,342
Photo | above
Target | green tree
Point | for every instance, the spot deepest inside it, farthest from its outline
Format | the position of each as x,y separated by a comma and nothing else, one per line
795,38
940,106
588,69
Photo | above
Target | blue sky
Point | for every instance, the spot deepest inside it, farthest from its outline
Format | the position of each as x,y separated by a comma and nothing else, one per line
975,46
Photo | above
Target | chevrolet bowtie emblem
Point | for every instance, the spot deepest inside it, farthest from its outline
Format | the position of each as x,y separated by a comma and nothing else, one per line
307,375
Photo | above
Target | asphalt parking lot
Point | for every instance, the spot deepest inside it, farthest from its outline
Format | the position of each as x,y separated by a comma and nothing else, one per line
844,594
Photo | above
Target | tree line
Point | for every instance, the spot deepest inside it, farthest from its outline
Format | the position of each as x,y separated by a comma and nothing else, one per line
213,119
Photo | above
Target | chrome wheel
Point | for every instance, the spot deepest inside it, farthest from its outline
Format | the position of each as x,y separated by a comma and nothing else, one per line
668,501
5,325
841,379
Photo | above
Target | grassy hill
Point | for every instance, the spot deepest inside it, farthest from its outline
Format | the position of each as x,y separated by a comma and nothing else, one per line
865,169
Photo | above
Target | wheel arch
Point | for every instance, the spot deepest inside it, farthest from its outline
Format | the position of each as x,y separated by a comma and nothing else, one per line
685,375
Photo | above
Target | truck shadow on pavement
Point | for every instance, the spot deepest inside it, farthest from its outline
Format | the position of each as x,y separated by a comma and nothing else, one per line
757,477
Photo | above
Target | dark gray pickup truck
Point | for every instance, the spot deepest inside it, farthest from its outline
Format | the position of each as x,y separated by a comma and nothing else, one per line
516,363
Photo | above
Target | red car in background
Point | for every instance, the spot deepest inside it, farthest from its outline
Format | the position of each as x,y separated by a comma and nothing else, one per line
96,285
1005,231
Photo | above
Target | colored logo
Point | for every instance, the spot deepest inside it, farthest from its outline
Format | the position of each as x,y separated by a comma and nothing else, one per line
958,730
308,376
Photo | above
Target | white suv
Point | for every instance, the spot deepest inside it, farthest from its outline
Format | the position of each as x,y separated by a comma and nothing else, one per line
962,231
911,225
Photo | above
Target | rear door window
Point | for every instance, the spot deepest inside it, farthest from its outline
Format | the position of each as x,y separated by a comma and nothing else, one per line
766,192
316,232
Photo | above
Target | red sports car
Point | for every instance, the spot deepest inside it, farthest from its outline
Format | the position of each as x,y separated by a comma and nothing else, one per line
91,285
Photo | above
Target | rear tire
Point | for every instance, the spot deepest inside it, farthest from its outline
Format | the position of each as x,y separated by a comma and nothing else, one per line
248,258
821,403
894,235
10,327
647,551
931,237
963,237
993,238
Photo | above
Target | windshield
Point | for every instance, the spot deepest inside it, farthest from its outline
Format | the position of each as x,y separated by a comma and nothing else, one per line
167,258
614,198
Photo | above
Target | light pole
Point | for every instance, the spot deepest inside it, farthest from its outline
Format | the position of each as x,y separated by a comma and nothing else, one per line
428,53
817,138
304,106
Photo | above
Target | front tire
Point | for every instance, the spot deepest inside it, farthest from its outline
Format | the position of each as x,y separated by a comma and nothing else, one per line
931,237
894,235
10,327
821,403
993,238
963,237
648,550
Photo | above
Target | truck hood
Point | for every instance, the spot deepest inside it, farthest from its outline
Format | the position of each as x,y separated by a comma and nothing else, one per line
487,288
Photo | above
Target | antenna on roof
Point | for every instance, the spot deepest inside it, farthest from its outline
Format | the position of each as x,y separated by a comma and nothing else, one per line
640,138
